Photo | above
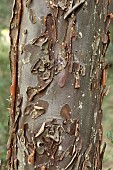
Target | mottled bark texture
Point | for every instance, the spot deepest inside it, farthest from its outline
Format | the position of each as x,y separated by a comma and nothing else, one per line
58,71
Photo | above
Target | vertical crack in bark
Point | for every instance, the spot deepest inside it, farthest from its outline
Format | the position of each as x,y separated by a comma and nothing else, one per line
14,39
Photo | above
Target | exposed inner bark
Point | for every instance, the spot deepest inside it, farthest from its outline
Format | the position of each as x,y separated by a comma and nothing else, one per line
58,68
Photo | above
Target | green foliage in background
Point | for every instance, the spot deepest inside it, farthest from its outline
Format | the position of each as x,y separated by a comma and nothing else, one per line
110,136
5,13
108,112
4,94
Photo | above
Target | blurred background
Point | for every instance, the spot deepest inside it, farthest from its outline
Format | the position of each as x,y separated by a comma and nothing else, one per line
5,14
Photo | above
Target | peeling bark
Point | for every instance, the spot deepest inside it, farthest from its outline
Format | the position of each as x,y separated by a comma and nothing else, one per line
58,69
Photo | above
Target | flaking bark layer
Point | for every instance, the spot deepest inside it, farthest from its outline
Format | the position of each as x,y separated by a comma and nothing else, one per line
58,69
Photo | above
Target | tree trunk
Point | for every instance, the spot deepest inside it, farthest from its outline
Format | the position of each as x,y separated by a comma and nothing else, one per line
58,72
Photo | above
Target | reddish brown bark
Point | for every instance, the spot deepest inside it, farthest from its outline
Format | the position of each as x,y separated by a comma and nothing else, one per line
58,68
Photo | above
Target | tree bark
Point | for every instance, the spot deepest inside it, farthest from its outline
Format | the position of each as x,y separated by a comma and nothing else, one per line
58,70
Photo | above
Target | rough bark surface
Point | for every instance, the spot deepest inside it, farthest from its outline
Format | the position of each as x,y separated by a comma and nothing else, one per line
58,70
